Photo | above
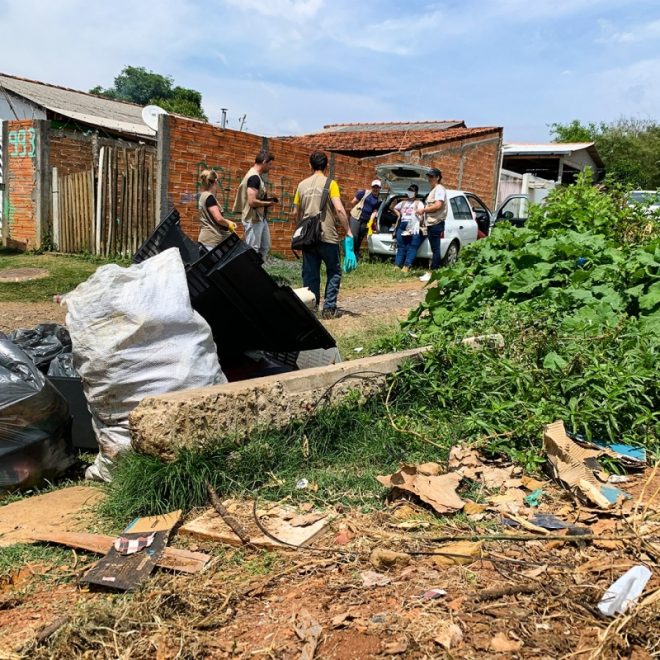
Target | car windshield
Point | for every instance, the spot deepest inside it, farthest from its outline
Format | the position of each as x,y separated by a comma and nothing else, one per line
645,197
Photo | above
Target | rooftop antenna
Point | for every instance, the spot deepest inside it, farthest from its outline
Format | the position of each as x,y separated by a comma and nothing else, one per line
242,120
223,119
150,114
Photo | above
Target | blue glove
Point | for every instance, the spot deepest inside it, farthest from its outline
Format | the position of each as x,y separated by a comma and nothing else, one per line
350,261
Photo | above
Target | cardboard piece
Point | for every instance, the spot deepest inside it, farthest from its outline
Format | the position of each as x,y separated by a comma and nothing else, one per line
467,462
426,482
126,572
65,509
174,559
576,466
211,527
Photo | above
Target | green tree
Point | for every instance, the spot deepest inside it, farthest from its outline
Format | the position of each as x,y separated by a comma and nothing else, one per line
630,148
136,84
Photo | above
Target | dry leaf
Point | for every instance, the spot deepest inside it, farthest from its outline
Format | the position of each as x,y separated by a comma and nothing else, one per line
502,644
373,579
343,538
382,558
449,635
404,512
457,554
307,507
472,508
535,572
532,484
437,490
341,620
395,648
308,630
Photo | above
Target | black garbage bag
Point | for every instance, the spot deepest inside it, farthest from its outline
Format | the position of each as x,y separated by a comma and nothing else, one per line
43,343
35,425
62,366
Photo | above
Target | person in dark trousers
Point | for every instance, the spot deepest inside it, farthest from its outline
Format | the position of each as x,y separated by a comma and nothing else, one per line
307,202
434,213
363,207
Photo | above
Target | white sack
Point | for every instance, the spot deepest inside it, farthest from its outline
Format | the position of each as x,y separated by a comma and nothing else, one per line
135,334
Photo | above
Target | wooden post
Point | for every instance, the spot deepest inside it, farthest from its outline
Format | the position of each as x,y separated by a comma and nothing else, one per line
100,195
56,209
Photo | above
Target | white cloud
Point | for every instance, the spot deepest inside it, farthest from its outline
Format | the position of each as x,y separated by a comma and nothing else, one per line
285,10
633,34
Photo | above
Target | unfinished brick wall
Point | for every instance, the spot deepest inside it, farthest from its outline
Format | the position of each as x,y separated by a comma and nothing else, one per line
193,146
471,164
71,152
20,172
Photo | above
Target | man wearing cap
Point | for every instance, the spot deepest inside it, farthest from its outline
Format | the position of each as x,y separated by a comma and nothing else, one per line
435,213
252,202
366,204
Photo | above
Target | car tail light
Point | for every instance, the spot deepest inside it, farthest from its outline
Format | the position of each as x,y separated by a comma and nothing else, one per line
442,235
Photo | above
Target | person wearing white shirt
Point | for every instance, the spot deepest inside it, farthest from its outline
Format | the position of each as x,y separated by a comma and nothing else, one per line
408,234
435,214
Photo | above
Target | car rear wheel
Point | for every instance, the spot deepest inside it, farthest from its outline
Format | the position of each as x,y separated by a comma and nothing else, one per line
451,255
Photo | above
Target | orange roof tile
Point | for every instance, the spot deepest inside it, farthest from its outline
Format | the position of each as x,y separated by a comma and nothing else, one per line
386,141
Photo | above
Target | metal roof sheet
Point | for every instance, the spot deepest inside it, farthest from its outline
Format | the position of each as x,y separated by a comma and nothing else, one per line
98,111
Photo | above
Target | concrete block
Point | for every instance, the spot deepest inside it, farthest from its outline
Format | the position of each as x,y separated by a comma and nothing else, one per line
161,425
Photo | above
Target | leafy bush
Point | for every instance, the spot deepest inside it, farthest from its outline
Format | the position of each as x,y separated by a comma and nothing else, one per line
576,294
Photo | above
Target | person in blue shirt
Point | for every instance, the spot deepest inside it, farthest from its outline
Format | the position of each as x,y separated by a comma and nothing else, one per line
364,206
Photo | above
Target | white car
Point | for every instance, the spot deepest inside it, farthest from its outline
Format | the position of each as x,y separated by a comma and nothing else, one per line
466,214
649,199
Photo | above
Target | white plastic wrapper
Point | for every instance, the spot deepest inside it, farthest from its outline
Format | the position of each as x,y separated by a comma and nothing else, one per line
135,334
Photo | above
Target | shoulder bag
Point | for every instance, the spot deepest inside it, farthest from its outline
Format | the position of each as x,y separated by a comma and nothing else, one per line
307,234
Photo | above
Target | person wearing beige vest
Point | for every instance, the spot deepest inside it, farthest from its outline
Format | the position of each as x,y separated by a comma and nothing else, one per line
214,226
307,203
252,202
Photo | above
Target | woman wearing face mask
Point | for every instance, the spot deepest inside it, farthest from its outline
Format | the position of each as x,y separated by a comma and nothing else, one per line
408,234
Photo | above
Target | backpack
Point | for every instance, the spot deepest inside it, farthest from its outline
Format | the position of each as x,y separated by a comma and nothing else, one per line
307,234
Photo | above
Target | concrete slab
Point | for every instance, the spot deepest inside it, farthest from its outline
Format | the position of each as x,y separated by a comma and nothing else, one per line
163,424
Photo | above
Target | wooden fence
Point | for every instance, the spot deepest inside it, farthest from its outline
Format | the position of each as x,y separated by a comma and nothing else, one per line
112,212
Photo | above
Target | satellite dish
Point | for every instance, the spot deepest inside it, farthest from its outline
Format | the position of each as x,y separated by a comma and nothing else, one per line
150,114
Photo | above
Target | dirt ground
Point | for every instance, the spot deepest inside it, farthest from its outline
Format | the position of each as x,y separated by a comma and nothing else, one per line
531,598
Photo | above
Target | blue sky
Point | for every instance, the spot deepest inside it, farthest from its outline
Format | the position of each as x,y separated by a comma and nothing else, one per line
293,65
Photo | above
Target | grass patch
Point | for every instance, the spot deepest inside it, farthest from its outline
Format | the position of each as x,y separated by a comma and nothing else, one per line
66,272
15,557
340,452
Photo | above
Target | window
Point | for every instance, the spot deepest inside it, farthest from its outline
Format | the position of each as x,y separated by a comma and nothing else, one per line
518,207
461,208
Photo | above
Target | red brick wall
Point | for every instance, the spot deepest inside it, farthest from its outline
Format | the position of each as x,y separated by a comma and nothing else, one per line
480,156
20,184
70,152
193,146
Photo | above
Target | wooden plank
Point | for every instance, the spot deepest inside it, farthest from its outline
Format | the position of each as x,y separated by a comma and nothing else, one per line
113,203
211,527
126,572
174,559
98,212
67,212
56,208
67,509
91,242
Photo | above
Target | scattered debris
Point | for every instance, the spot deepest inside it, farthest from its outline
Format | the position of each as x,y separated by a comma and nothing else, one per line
534,498
433,594
576,467
495,341
125,572
625,591
277,521
308,630
426,482
174,559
